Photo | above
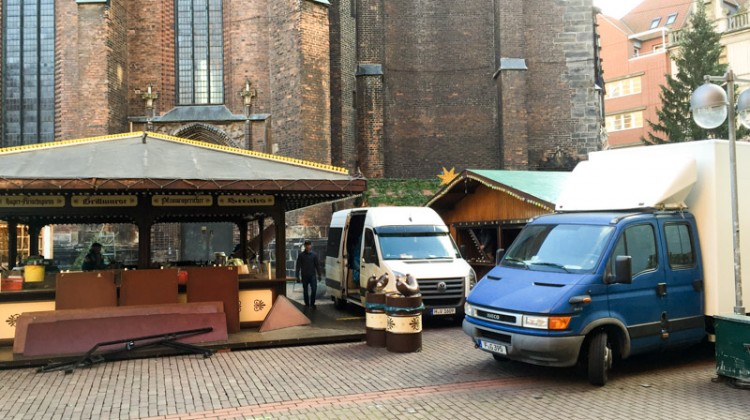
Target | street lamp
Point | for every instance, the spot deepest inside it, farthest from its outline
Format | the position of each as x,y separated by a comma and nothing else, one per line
148,99
711,105
247,93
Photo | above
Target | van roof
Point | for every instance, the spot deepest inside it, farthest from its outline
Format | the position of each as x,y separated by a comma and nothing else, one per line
391,216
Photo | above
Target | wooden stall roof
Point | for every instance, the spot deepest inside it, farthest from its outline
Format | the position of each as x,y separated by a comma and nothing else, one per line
148,162
538,188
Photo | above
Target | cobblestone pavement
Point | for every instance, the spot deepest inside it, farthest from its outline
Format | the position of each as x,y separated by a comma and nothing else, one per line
447,379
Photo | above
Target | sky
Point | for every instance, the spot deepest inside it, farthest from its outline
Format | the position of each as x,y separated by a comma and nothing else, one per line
616,8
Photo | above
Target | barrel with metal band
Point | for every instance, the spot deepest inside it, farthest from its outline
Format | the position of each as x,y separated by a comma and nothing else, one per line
403,333
375,319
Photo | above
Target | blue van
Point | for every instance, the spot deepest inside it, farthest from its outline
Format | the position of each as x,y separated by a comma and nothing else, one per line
616,272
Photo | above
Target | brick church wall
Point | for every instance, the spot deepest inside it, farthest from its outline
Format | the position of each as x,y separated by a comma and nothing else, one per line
563,107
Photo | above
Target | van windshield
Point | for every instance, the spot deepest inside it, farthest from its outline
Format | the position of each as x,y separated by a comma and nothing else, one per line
416,244
563,248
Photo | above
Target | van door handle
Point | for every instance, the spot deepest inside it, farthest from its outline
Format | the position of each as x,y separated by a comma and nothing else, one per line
661,289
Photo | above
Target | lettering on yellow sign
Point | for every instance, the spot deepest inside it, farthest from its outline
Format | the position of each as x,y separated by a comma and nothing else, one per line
181,200
246,200
32,201
104,201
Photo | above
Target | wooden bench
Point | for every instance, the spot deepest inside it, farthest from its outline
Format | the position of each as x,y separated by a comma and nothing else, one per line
75,331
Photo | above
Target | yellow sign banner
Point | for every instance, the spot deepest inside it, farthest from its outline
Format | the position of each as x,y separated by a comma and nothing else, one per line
161,200
104,201
246,200
17,201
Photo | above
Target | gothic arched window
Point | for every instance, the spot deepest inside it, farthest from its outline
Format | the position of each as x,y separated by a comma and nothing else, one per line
200,52
29,72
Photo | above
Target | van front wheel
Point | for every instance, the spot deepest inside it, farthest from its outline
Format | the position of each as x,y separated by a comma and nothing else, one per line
599,359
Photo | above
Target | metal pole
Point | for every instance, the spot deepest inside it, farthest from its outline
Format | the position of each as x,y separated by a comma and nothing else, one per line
738,309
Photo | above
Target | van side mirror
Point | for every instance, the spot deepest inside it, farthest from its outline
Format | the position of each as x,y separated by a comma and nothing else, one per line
499,255
623,269
462,250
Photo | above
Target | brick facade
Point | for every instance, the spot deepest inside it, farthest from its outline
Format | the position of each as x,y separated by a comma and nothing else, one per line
343,85
107,53
441,106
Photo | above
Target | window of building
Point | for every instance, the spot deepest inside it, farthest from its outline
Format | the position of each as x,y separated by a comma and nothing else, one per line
671,18
624,87
624,121
655,23
29,72
200,52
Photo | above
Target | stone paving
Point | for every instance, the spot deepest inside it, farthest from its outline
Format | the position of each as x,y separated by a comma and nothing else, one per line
447,379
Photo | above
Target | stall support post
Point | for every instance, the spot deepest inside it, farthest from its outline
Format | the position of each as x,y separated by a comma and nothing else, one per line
144,242
280,223
34,230
261,226
12,243
242,225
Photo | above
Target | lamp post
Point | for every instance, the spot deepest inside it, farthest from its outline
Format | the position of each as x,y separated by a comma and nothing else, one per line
247,93
148,99
711,105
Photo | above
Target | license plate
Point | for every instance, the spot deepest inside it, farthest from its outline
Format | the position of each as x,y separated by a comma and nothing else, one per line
495,348
444,311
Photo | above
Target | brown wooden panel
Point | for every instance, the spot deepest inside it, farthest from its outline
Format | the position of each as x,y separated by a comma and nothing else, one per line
79,335
148,287
216,284
27,318
85,290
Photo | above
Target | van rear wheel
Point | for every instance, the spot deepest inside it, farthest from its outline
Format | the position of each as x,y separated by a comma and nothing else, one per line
599,359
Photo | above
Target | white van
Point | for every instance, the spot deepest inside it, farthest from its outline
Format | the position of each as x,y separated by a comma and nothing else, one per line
367,242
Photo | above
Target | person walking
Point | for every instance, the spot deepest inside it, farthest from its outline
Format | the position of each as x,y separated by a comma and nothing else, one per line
309,268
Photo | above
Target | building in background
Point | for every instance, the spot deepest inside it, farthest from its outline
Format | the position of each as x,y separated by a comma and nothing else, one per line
389,89
637,53
497,84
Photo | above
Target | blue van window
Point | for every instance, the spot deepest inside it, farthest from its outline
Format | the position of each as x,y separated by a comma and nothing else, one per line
639,242
679,245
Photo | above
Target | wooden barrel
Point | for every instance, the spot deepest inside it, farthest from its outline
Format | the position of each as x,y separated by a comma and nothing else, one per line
375,319
403,333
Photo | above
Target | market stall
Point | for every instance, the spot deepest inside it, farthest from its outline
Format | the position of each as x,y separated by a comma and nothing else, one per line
148,178
486,209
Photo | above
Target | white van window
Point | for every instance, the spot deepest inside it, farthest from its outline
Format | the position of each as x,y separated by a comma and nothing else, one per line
370,255
415,243
334,242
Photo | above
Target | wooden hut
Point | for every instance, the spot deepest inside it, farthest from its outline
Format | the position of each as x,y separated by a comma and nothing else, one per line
486,209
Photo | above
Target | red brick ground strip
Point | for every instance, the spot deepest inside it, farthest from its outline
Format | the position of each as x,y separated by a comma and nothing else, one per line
259,409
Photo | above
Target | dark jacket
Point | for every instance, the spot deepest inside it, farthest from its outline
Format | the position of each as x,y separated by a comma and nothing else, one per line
307,263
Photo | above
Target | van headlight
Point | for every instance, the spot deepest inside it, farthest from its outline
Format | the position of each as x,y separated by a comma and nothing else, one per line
470,310
546,322
472,278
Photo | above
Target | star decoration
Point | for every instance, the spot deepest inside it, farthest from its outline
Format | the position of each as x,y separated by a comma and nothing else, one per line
447,176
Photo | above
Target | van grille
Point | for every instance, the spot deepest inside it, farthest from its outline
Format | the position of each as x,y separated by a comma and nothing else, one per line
442,292
492,316
502,338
